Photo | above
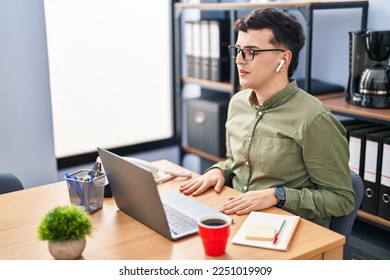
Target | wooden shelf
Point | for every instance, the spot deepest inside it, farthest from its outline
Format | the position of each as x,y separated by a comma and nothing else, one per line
374,218
202,154
338,104
220,86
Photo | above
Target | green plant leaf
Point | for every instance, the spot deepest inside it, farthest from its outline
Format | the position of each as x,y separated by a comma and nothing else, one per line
64,223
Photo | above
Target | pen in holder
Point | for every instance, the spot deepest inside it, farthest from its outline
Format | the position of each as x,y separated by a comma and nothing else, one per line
99,166
86,191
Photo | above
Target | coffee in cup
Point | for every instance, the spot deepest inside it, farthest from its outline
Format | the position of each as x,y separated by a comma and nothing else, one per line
214,231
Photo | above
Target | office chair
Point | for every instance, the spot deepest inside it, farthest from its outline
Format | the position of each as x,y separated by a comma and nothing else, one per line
9,183
343,224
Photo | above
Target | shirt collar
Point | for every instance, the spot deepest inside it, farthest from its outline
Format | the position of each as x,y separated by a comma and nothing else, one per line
277,99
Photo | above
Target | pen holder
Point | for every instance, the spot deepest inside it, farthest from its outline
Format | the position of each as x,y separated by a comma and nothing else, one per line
85,191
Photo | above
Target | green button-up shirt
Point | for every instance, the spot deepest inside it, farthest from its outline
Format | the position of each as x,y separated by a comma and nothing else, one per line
291,140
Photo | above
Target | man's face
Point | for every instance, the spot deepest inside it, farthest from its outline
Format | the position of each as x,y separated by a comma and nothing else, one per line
259,73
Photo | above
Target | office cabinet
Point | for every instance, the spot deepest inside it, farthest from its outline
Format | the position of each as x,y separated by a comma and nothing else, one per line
367,242
206,117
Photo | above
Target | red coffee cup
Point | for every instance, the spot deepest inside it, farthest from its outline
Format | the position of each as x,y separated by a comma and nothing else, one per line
214,231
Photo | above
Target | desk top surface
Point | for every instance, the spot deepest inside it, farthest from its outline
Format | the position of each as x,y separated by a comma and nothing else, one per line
118,236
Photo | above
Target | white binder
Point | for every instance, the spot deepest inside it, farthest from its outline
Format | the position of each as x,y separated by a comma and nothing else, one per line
196,49
205,49
188,45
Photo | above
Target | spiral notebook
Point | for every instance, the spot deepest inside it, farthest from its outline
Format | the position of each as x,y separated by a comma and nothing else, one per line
267,220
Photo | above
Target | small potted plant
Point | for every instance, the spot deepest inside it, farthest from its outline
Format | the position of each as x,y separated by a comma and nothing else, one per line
65,228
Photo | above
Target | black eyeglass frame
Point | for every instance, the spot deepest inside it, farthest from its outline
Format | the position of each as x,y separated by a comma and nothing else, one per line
253,52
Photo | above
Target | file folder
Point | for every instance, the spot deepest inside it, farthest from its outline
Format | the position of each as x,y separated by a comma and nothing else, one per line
205,50
188,45
346,122
357,147
196,45
384,188
219,53
356,125
372,170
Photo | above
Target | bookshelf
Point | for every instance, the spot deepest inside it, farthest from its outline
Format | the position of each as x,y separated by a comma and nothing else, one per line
306,8
335,101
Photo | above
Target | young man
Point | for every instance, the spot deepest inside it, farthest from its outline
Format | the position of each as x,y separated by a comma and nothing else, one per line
284,147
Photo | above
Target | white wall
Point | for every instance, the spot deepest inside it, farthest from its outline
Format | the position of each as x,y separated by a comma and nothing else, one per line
378,15
26,135
26,132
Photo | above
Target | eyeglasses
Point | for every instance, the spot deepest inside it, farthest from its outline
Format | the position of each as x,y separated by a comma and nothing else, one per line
248,54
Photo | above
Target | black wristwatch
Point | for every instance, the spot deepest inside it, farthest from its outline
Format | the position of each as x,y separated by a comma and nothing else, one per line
280,194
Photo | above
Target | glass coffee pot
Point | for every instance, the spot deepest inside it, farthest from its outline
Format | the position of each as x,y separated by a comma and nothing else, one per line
375,80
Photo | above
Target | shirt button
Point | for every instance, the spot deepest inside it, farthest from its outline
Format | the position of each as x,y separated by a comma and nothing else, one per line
250,139
260,113
247,163
245,189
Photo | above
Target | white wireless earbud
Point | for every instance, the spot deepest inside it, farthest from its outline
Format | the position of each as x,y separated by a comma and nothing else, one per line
280,65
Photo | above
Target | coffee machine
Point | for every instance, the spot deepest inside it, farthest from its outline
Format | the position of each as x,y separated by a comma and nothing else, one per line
369,72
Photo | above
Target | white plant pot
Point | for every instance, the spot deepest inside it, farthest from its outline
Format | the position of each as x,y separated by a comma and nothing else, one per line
70,250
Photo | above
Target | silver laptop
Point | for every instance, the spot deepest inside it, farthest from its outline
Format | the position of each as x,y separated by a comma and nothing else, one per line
171,214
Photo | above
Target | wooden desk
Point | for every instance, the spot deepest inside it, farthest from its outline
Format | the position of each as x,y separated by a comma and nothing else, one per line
118,236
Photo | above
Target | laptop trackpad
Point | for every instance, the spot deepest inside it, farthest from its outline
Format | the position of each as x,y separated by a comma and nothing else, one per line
187,205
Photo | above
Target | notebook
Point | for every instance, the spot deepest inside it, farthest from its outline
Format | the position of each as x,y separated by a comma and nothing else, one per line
245,235
171,214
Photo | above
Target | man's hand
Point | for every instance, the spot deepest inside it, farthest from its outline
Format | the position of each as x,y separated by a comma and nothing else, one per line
250,201
212,178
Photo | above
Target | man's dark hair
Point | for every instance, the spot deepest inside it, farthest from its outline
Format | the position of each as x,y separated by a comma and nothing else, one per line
288,32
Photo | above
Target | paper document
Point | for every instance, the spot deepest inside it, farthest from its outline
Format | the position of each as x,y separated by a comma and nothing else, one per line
268,220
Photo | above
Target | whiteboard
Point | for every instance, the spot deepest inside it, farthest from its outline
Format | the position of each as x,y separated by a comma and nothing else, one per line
111,77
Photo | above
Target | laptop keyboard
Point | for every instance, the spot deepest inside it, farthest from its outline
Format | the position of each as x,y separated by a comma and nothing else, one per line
179,222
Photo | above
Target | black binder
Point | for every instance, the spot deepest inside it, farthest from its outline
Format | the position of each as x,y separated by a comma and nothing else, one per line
372,170
356,125
350,122
384,187
357,147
